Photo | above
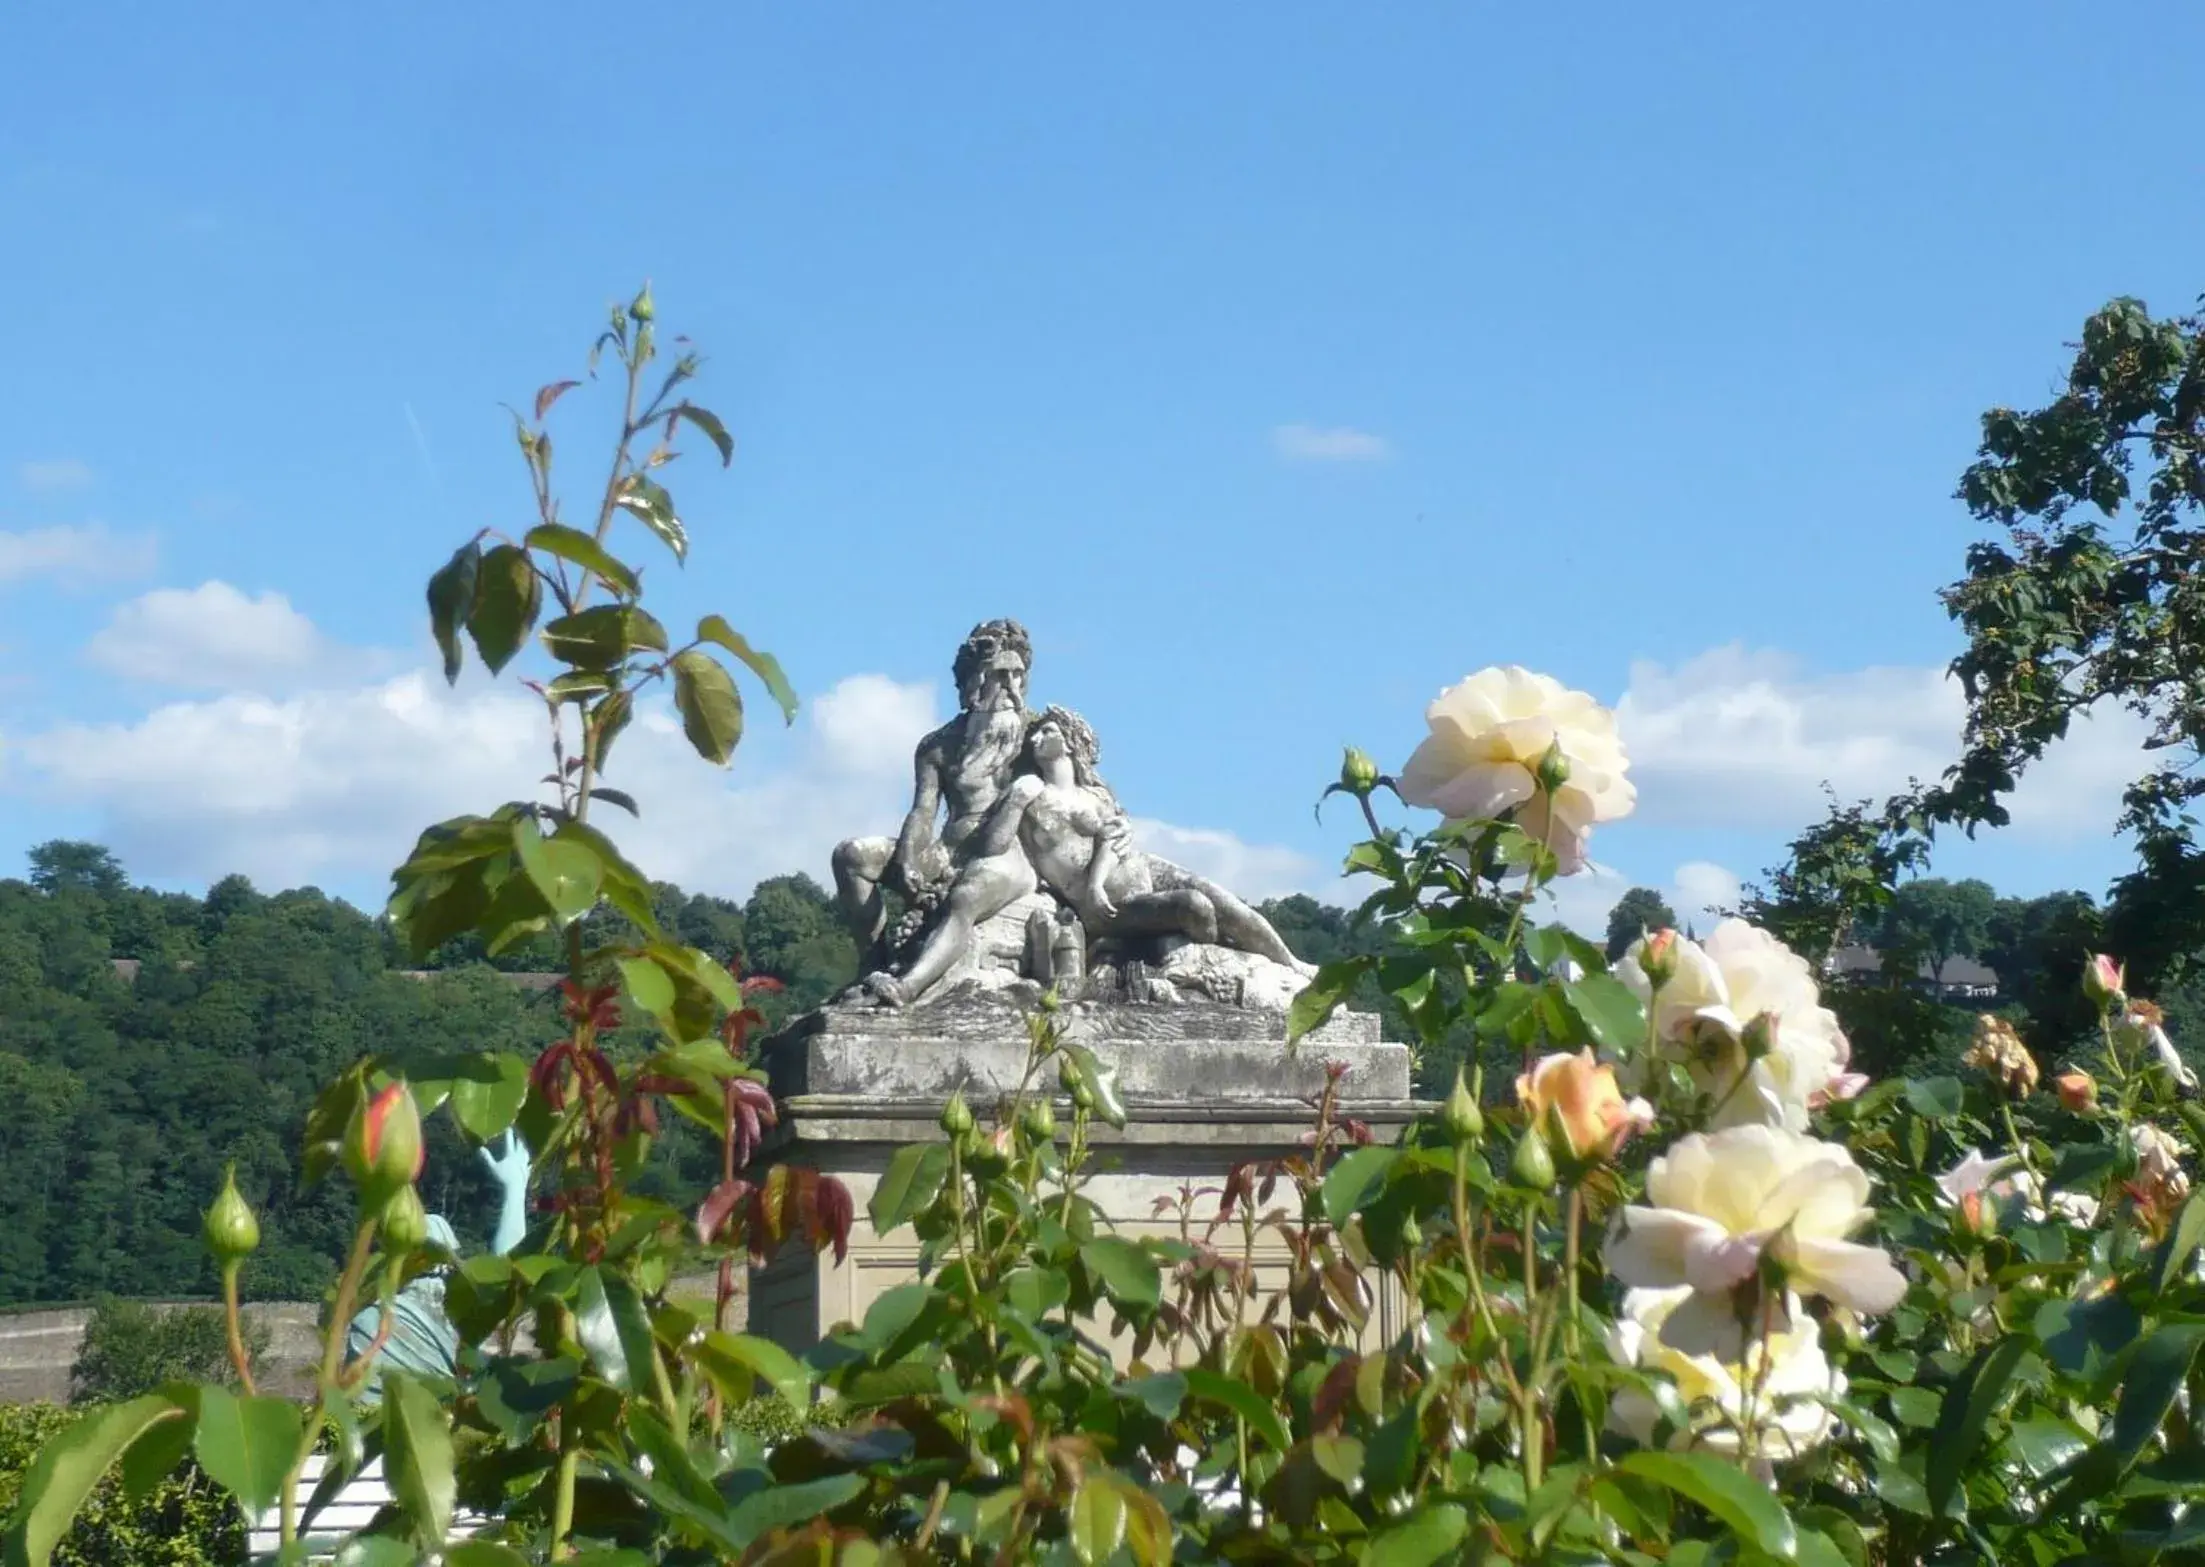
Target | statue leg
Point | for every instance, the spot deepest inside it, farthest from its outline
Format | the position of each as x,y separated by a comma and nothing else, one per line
983,888
1181,912
859,866
1240,926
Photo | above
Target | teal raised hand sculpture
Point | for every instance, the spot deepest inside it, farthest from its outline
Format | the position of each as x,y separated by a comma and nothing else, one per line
421,1337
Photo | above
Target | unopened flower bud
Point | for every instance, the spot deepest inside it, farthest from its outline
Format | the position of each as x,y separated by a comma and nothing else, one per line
1531,1166
1460,1115
2105,982
990,1153
957,1115
2078,1091
1657,957
1554,768
383,1147
1358,773
1759,1038
1412,1233
405,1222
642,309
232,1232
1040,1119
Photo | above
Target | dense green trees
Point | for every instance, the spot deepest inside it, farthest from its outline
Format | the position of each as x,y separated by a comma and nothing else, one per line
1635,913
125,1086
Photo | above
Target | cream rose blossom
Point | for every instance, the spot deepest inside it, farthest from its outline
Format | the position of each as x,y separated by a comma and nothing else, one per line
1790,1415
1481,760
1741,973
1720,1203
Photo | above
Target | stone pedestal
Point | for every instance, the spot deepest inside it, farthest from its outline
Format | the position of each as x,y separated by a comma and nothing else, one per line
1206,1086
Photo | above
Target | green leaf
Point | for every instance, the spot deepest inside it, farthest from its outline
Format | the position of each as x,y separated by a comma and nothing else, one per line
738,1361
508,594
452,602
487,1097
516,1395
1936,1098
1967,1407
601,636
648,985
568,874
578,548
2044,1445
1611,1013
162,1449
1240,1399
1098,1518
247,1445
372,1550
2154,1376
784,1505
612,1328
2181,1243
1160,1394
912,1180
1321,997
710,706
647,501
1109,1104
68,1467
417,1445
1429,1535
1125,1270
1356,1180
714,628
483,1553
1737,1500
709,423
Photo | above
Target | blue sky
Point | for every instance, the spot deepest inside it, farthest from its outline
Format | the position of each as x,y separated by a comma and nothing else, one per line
1276,365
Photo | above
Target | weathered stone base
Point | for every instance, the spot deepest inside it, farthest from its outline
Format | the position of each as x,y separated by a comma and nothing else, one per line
1205,1088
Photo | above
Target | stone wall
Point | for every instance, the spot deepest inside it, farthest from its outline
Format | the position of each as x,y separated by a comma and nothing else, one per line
37,1348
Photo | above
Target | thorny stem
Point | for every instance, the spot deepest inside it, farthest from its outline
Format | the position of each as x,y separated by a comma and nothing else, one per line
570,1461
1473,1271
1532,1437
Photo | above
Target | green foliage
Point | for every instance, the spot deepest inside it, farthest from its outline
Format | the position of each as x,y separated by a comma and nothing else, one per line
1638,911
183,1520
130,1348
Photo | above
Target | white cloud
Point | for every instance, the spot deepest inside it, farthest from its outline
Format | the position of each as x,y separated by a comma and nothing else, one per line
1338,443
213,637
1745,740
64,473
331,786
1696,892
1254,871
74,554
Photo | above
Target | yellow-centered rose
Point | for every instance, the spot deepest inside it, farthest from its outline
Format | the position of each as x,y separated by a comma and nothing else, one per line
1577,1097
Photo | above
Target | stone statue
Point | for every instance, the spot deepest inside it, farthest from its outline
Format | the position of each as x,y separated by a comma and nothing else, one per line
1071,827
421,1338
964,766
1033,877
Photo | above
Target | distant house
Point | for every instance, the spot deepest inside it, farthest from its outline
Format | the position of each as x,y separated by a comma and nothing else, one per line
1958,979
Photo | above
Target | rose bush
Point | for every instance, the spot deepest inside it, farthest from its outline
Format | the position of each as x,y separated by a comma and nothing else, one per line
1693,1293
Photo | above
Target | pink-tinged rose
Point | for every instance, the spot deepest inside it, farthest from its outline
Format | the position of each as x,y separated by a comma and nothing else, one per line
2105,982
383,1146
1579,1096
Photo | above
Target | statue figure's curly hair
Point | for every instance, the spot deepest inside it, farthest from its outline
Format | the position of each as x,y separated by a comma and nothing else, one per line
1079,743
986,640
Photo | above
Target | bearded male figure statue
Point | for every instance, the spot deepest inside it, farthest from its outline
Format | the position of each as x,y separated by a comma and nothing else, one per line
964,766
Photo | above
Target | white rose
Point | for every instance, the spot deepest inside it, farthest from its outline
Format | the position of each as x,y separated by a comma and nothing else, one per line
1999,1177
1720,1202
1789,1418
1740,973
1480,762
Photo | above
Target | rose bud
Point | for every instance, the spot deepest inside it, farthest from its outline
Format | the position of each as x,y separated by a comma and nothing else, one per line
1460,1115
956,1115
383,1147
1657,957
1358,773
233,1234
2077,1090
405,1222
1040,1119
2104,982
1532,1165
1554,768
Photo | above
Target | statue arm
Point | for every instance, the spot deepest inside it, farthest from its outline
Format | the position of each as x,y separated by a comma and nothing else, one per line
918,825
1108,845
510,1167
1008,816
